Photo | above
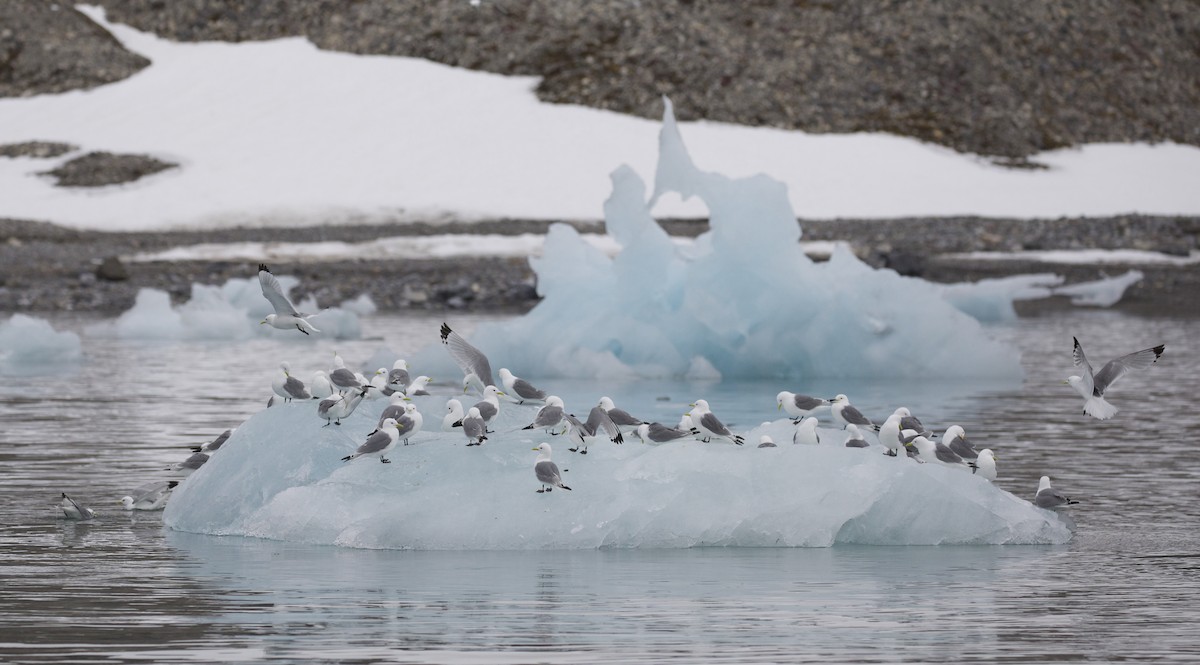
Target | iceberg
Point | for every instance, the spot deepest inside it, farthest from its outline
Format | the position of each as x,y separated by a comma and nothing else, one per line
742,301
228,312
280,476
29,344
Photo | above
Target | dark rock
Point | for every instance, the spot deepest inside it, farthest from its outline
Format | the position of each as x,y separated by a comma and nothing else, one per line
112,270
36,149
98,169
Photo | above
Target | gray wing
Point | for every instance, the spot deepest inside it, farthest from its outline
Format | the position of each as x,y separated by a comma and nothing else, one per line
473,427
548,416
714,425
405,425
851,414
487,410
273,292
149,489
622,418
911,422
1050,498
78,508
525,390
220,440
295,388
1078,357
945,454
547,472
963,448
398,377
1115,369
326,404
470,359
808,403
598,419
857,443
374,443
577,426
391,411
660,433
196,461
344,378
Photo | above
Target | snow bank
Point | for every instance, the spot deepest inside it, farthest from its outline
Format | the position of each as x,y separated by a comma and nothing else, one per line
28,344
280,476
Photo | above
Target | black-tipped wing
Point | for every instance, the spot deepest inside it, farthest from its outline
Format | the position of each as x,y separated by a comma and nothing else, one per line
394,411
711,423
374,443
344,378
852,415
328,403
1051,498
660,433
963,448
1115,369
473,427
807,403
469,359
622,418
946,455
273,292
547,473
548,416
598,420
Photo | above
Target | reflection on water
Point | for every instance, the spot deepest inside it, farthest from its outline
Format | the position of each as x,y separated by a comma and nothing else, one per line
123,588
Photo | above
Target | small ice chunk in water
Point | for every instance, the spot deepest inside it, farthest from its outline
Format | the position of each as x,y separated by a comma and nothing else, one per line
28,343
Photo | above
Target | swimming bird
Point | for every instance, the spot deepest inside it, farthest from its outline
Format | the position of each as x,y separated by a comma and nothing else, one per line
549,416
73,510
474,428
546,471
806,432
151,496
799,406
286,316
378,443
660,433
1091,387
955,438
845,413
519,390
1048,497
856,439
289,387
477,371
710,426
454,415
619,416
985,464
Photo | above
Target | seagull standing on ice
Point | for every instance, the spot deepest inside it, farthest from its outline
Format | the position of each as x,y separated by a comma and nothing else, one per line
519,390
549,416
845,413
806,432
933,452
320,387
856,439
474,427
546,471
286,316
416,388
1048,497
454,415
955,438
477,371
342,378
620,417
985,464
660,433
289,387
378,443
710,426
799,406
397,377
1091,386
337,407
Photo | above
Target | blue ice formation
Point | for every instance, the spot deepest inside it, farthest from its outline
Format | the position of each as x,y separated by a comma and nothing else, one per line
280,476
743,301
29,344
231,311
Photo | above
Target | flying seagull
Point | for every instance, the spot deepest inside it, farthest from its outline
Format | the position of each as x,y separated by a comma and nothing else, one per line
1091,386
286,316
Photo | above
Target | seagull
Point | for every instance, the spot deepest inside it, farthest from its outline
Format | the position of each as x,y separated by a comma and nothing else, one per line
519,390
1048,497
799,406
909,421
410,423
765,441
710,426
151,496
337,407
286,316
397,377
489,406
598,419
378,443
806,432
889,434
660,433
73,510
985,464
189,465
379,381
955,438
215,444
846,414
934,452
454,415
546,471
320,387
417,387
1091,386
394,409
549,416
619,416
342,378
477,371
289,387
474,427
856,439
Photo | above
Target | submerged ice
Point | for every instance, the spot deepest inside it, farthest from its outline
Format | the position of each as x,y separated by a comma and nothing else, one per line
280,476
743,301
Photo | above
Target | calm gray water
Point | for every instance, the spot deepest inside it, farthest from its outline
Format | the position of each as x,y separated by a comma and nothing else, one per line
124,589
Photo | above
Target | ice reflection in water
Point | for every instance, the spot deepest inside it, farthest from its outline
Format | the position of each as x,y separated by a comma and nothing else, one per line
122,588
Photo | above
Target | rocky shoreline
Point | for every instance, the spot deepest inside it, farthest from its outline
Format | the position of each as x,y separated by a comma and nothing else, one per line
44,267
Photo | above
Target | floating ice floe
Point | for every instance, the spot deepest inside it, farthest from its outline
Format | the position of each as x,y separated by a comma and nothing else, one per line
231,311
29,344
280,476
